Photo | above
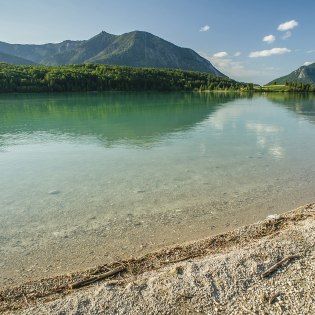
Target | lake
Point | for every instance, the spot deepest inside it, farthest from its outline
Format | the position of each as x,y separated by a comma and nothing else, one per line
91,178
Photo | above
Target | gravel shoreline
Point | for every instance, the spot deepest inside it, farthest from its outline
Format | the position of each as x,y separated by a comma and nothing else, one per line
224,274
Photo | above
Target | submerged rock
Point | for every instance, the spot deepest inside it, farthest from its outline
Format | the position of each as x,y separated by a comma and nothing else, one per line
139,191
54,192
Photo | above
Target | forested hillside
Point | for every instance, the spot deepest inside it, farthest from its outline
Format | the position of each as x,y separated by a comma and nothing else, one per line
98,77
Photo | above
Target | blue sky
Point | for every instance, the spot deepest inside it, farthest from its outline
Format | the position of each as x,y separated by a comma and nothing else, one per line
252,41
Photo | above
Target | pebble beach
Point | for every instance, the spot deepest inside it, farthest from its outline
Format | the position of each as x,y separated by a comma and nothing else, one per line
263,268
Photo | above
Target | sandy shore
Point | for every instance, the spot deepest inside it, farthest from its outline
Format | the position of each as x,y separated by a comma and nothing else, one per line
224,274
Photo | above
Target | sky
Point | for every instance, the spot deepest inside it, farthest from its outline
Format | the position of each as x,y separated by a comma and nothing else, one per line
250,41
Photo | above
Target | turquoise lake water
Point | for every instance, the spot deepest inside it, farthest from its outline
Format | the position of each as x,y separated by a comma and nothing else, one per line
89,178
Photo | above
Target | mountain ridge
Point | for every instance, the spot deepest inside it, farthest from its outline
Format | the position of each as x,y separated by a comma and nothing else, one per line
7,58
136,49
304,74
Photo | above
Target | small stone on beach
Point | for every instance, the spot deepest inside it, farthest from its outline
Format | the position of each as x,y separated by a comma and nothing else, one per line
273,217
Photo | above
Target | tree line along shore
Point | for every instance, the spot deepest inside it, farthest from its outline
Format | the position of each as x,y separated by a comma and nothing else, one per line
100,77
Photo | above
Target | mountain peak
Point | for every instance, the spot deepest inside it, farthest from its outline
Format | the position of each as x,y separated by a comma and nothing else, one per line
304,74
102,34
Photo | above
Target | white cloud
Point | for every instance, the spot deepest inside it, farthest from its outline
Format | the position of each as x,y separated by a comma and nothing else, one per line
227,65
270,52
269,39
232,68
240,70
220,54
289,25
310,51
287,35
205,28
307,63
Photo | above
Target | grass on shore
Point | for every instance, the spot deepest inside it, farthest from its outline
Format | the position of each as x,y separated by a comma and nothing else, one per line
272,88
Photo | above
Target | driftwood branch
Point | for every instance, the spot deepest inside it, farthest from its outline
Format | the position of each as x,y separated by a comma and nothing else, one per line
277,265
176,260
107,274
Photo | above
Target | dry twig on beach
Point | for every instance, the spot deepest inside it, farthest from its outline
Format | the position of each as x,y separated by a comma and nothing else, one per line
277,265
176,260
107,274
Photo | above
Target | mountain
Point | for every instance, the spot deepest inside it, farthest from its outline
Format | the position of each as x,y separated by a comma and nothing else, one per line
37,53
305,74
136,49
14,59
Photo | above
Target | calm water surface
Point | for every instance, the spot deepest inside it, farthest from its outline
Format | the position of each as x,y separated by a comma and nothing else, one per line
91,178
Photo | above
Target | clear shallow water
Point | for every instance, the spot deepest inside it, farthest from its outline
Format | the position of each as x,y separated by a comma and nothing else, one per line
86,178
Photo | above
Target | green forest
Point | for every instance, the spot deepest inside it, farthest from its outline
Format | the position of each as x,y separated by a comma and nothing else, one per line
100,77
